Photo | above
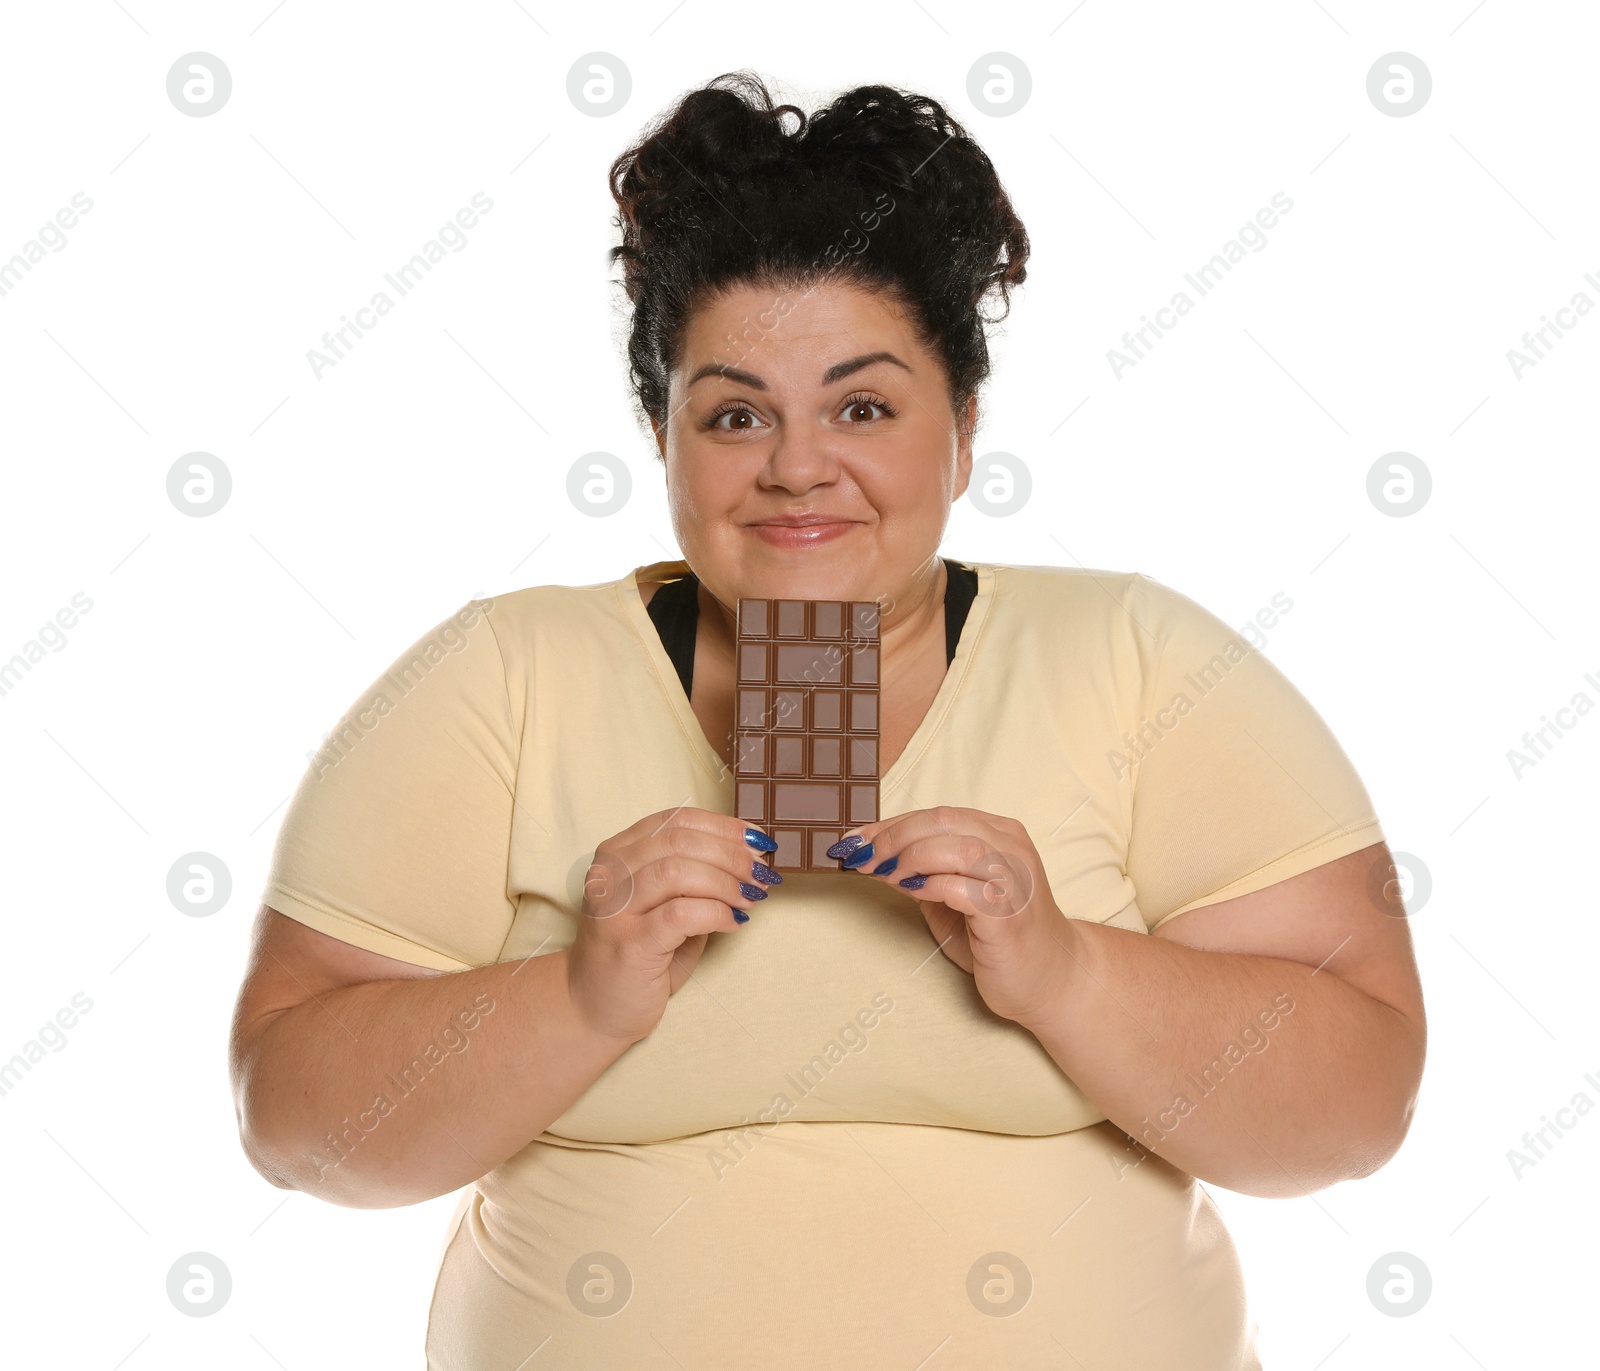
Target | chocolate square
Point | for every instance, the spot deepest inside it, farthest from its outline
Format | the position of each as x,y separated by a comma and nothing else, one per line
806,721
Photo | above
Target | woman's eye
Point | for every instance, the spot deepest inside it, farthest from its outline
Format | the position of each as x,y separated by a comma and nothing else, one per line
858,410
720,415
860,402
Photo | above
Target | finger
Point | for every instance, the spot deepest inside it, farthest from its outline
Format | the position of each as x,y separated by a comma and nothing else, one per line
967,874
949,929
659,861
636,877
888,838
669,925
903,859
701,820
674,876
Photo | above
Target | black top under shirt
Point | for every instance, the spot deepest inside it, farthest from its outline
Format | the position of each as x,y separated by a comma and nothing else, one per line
675,611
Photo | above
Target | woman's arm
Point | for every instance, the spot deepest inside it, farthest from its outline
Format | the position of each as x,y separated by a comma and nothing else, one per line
1272,1043
372,1083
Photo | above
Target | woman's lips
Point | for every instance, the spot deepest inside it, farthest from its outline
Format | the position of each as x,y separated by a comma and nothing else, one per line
801,535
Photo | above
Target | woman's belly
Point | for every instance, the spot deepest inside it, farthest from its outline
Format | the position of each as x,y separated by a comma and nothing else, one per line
841,1245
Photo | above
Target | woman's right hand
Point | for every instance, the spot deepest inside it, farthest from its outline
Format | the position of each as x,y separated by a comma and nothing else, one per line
651,897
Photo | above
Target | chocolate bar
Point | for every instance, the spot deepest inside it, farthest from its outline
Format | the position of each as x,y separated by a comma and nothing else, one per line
806,723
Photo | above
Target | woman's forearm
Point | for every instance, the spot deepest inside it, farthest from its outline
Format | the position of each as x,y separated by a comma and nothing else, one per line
1255,1073
390,1092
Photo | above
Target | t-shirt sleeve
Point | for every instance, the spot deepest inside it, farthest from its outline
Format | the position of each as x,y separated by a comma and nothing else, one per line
1238,783
398,837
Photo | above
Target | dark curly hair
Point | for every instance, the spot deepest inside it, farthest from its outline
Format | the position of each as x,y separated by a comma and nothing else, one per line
882,188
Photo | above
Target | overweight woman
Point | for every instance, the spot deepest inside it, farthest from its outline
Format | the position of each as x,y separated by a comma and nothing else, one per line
1114,934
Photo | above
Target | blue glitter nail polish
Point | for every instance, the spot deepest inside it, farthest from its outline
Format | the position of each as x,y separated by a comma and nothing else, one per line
884,868
751,892
762,872
759,840
740,916
845,846
860,857
914,882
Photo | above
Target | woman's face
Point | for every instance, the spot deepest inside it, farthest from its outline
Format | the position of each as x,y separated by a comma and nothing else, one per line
776,410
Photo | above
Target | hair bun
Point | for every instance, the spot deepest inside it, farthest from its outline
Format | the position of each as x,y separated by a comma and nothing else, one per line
881,185
695,155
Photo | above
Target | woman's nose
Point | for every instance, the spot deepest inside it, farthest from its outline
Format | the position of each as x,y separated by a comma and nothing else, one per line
800,459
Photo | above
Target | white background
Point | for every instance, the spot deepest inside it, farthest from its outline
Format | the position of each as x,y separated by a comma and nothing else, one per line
429,465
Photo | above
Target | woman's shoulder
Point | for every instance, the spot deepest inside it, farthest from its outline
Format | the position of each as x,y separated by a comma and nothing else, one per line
1042,573
584,618
1092,588
555,599
1097,610
1093,585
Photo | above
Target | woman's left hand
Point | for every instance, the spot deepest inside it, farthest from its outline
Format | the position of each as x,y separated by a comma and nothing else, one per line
982,889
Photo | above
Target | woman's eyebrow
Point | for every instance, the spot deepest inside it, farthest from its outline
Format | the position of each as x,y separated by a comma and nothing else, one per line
837,372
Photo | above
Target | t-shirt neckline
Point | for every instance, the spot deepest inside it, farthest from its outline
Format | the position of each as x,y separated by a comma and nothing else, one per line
666,674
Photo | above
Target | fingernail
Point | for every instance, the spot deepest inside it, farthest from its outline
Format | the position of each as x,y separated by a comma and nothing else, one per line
845,846
762,872
751,892
914,882
860,857
884,868
740,916
759,840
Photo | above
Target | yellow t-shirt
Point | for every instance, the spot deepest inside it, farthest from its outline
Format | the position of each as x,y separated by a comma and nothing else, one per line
829,1152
